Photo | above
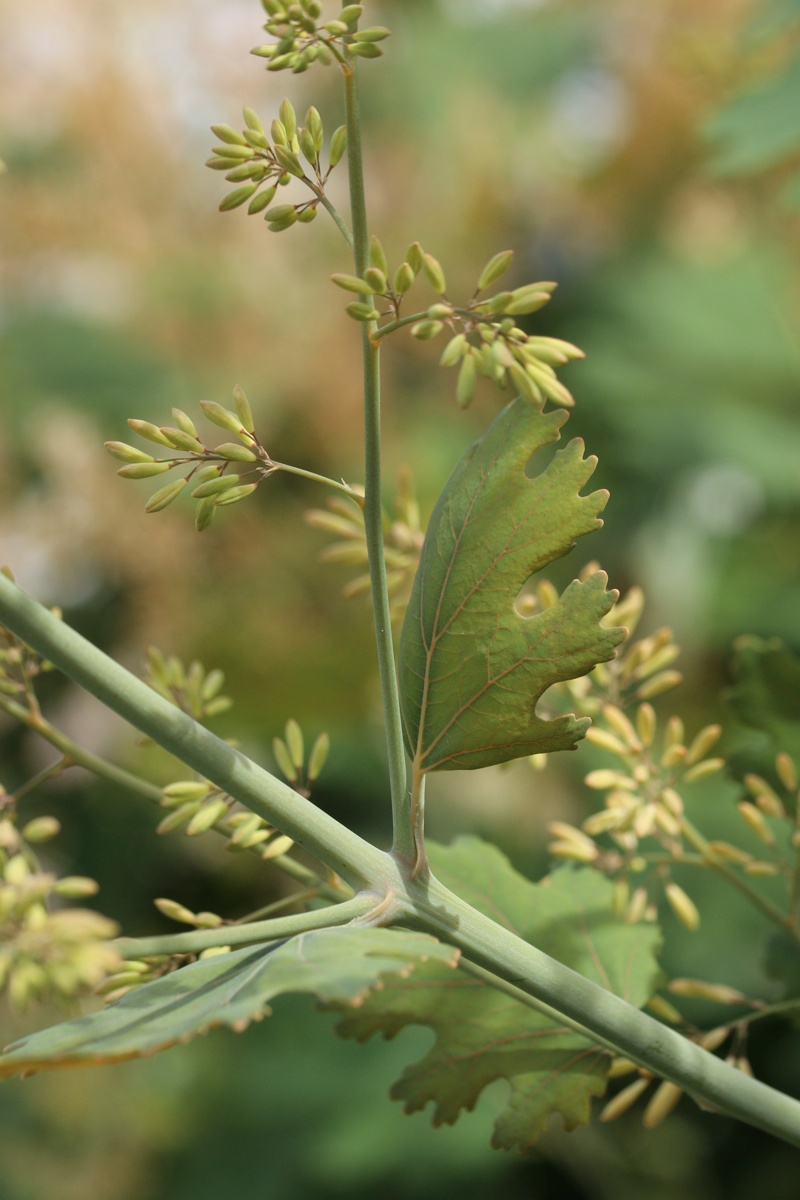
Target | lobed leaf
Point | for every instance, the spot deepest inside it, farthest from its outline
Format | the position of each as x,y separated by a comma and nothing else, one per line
338,966
482,1034
471,667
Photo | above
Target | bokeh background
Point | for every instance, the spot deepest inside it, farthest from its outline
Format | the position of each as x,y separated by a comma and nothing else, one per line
646,157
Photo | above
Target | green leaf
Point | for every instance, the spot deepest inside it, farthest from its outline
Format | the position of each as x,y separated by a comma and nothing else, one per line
338,966
482,1034
760,126
471,668
765,699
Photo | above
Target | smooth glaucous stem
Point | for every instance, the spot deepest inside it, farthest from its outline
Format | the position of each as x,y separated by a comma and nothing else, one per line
404,844
244,935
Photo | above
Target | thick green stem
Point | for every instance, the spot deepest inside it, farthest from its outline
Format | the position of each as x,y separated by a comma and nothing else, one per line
423,903
609,1020
404,844
245,935
323,837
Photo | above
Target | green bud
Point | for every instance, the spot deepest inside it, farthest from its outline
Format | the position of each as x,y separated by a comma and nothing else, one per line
259,141
243,410
280,61
209,472
306,215
434,273
288,119
237,196
440,312
239,153
175,911
165,496
76,887
127,453
338,145
144,470
351,13
184,422
525,385
376,33
376,279
207,816
527,300
335,27
365,50
465,387
235,453
231,497
425,330
362,312
255,171
252,120
226,134
495,267
41,829
314,127
377,255
403,279
221,164
294,741
283,759
278,131
281,217
204,514
318,757
289,161
313,8
182,441
306,143
215,486
146,429
223,417
187,789
414,257
352,283
454,351
260,202
265,51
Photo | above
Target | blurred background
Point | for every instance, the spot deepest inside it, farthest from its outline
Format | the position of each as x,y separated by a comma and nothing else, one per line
646,156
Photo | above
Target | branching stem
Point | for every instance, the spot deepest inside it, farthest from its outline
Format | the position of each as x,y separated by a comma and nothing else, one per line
404,843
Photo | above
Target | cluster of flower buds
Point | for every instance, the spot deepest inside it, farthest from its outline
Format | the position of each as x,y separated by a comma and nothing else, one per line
641,796
304,37
290,756
485,338
47,953
192,689
219,475
764,811
259,166
402,538
196,805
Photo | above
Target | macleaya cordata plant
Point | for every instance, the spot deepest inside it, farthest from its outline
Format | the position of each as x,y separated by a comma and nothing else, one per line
542,984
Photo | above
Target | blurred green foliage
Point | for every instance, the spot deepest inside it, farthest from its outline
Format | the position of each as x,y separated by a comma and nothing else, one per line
638,154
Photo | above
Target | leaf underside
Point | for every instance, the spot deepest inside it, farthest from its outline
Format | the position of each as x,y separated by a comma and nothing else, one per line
483,1034
338,966
471,667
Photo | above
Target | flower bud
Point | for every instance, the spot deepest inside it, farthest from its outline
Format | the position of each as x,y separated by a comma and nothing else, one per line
144,470
164,496
434,273
338,145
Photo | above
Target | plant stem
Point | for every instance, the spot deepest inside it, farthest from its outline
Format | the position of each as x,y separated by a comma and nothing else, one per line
332,483
607,1019
76,754
337,216
404,844
269,910
245,935
423,903
384,331
358,863
773,913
